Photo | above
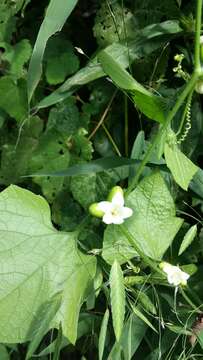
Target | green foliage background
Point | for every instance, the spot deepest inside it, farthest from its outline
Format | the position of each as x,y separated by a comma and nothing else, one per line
87,88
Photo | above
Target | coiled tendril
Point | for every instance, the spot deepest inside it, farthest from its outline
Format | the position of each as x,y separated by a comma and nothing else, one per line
188,125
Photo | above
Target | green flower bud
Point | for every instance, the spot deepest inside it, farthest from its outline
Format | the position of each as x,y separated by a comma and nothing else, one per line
95,210
199,87
115,190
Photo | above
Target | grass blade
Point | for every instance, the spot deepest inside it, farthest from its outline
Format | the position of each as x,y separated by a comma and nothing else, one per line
142,317
149,39
95,166
102,335
56,15
151,105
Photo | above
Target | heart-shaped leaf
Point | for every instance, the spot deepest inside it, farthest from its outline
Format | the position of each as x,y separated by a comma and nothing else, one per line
153,224
37,262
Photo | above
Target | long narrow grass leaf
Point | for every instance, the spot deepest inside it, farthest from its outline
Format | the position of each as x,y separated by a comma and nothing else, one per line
95,166
142,317
56,15
102,335
117,298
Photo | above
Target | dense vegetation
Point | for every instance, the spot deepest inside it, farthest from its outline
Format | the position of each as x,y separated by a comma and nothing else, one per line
100,103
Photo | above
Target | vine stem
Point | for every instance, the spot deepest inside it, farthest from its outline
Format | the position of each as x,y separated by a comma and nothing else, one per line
145,258
126,123
197,62
189,301
189,87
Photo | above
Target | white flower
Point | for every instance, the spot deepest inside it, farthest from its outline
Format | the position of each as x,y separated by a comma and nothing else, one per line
112,211
175,275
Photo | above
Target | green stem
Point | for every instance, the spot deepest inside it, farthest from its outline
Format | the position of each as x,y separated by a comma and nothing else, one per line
197,62
126,123
187,299
145,258
189,87
111,140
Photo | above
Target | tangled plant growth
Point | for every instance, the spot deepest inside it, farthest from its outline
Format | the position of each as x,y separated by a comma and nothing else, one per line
102,188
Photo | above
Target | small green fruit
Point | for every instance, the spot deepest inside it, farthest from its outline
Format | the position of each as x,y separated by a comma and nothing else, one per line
95,210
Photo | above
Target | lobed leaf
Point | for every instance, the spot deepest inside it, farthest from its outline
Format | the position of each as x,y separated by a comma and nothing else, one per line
37,262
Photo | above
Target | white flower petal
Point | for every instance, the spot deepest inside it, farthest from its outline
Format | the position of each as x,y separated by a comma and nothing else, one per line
105,206
126,212
175,275
117,219
108,218
118,199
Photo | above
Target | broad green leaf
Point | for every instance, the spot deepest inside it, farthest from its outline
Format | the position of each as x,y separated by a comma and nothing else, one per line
37,262
105,30
197,183
142,317
153,224
55,17
146,41
16,56
181,167
65,118
51,154
151,105
117,295
16,155
7,19
13,98
102,334
60,60
188,238
50,311
4,355
91,188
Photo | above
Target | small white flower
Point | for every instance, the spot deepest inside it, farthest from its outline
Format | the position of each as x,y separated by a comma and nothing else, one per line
175,275
113,210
